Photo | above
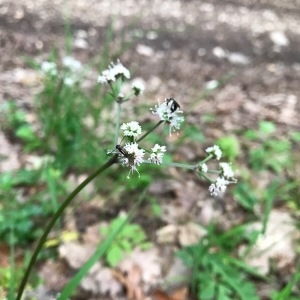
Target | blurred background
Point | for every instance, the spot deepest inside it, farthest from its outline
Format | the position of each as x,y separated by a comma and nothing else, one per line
234,67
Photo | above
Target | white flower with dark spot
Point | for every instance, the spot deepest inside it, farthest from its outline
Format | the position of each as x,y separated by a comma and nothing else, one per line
120,71
114,72
203,168
215,151
157,154
132,129
226,170
138,87
167,113
132,157
218,187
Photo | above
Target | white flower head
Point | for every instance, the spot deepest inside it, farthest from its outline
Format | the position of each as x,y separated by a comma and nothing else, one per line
138,87
169,111
72,63
226,170
132,157
120,71
69,81
218,187
132,129
49,67
114,72
215,151
203,168
157,154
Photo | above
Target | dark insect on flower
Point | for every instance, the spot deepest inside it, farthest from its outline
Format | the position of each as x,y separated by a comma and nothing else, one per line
121,150
174,104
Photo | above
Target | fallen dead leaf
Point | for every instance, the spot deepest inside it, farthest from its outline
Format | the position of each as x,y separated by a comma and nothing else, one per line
179,294
278,243
76,254
149,261
131,281
190,234
187,234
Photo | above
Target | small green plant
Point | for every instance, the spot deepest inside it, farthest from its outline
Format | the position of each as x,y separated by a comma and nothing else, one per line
68,132
230,146
269,152
217,273
15,125
130,237
24,216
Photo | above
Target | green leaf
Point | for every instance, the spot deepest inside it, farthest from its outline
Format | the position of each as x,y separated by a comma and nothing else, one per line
251,134
245,196
230,146
267,127
207,292
295,136
114,255
223,293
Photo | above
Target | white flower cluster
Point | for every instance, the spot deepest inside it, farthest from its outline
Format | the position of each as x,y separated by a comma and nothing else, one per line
138,87
157,154
218,187
226,170
226,177
131,129
203,168
169,111
131,155
215,151
49,67
114,72
71,65
226,174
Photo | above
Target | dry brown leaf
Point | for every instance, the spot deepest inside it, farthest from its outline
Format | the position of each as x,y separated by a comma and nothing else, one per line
187,234
190,234
167,234
76,254
179,294
149,261
131,282
278,243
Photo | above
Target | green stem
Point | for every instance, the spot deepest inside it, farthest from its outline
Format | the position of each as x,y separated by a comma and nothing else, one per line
204,176
149,131
117,123
179,165
55,217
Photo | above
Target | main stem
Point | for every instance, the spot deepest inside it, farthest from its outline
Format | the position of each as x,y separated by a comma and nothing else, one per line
55,218
61,209
150,130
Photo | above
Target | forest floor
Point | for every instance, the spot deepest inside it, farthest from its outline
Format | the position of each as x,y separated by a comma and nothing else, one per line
231,64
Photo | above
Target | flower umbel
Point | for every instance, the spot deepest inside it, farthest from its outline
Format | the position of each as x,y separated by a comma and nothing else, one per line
131,156
157,154
49,67
218,187
203,168
169,111
226,170
131,129
138,87
215,151
114,72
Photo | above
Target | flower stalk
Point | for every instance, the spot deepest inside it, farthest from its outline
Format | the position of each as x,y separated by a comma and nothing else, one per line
55,217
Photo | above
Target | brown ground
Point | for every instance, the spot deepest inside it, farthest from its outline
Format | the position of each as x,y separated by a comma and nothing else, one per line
177,47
